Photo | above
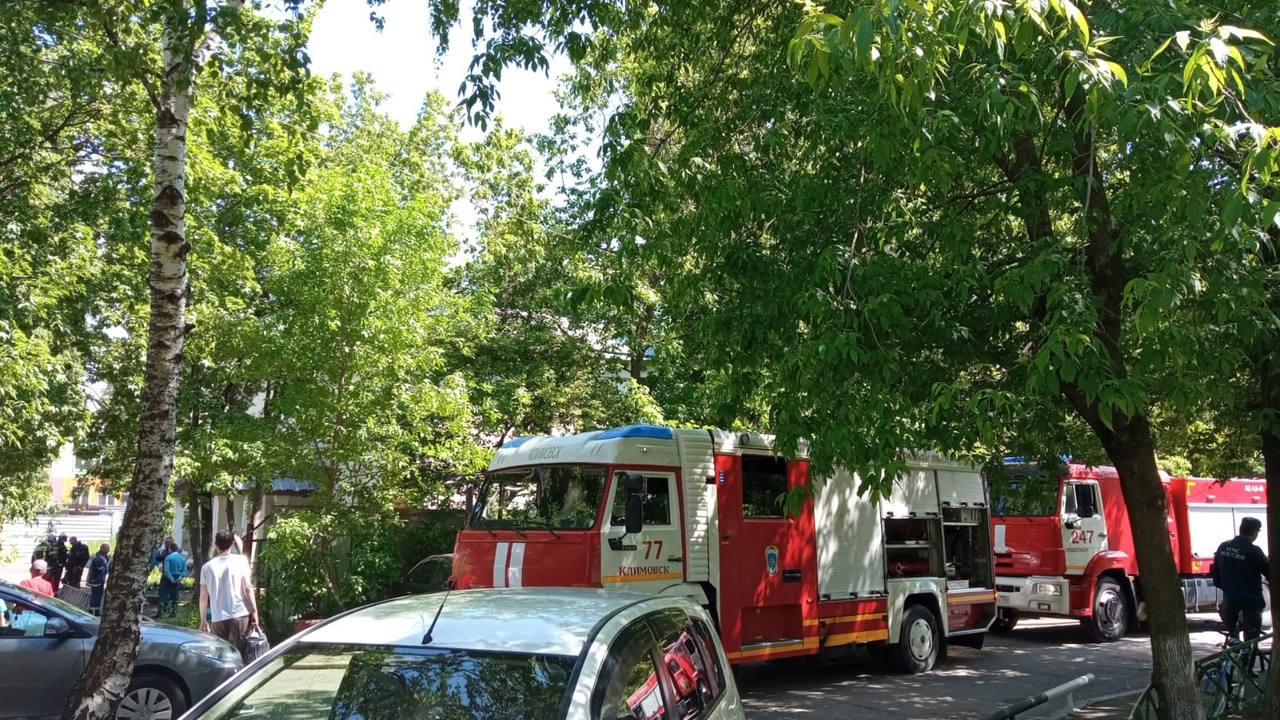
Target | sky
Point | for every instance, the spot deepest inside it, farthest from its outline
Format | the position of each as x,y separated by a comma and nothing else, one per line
402,60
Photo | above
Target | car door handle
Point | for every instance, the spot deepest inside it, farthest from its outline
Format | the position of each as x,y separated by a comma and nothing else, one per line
675,558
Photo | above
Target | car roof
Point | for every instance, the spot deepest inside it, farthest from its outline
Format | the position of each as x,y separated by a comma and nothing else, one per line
539,621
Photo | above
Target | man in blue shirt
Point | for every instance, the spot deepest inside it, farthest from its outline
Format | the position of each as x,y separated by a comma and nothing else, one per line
172,570
1239,567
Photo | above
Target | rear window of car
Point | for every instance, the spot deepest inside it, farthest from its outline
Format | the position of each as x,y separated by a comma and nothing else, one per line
327,682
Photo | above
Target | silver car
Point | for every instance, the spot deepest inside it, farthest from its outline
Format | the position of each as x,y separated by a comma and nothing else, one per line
514,654
45,643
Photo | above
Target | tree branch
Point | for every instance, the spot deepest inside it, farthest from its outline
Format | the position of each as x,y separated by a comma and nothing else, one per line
143,77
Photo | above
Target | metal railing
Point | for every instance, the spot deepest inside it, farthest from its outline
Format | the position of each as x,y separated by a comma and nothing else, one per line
1026,704
1228,682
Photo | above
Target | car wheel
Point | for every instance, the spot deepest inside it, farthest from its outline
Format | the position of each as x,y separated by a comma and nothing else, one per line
918,649
151,697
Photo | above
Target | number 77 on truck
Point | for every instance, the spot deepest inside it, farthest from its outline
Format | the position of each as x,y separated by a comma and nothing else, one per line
697,513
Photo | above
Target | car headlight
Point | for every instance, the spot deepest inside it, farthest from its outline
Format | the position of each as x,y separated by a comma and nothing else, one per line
216,649
1047,589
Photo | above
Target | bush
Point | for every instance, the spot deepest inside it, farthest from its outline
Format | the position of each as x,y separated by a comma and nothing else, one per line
318,562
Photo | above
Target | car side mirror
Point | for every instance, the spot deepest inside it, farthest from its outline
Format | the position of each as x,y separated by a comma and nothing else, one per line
1086,511
56,627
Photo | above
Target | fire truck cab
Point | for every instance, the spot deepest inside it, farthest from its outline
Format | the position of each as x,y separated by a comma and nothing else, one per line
1064,547
698,513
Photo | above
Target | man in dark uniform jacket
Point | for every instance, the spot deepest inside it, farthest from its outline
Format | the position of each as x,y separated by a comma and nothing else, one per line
57,563
53,551
77,558
1238,569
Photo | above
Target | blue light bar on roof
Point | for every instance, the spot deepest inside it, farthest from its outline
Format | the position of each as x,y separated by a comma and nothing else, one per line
517,442
653,432
1028,461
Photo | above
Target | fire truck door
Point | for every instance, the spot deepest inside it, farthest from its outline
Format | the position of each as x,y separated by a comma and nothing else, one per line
766,554
1084,526
653,560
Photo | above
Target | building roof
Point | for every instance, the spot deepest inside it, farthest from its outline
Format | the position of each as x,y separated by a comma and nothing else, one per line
541,621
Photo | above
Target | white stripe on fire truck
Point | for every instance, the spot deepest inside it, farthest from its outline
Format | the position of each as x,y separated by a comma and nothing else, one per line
500,564
515,571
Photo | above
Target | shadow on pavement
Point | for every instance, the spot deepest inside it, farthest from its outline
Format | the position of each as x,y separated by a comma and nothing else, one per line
1036,656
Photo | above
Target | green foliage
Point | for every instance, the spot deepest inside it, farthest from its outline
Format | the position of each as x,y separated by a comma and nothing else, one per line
535,358
321,561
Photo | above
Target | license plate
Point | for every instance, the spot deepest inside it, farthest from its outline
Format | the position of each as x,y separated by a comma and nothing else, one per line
1002,600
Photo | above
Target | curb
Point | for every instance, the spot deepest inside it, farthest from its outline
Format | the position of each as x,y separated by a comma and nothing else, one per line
1072,708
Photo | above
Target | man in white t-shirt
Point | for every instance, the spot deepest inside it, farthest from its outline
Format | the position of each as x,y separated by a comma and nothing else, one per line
226,594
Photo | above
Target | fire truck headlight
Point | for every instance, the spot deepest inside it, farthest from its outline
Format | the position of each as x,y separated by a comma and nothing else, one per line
1047,589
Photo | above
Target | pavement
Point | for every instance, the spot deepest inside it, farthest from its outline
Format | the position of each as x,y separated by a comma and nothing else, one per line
1037,656
1111,708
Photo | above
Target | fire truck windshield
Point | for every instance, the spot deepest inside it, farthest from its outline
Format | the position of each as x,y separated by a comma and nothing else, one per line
1024,496
554,497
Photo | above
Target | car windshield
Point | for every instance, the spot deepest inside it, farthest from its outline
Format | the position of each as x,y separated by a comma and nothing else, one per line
559,497
20,593
1024,495
347,682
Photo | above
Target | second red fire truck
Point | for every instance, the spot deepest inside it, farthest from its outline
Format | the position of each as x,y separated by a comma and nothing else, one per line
1064,548
697,513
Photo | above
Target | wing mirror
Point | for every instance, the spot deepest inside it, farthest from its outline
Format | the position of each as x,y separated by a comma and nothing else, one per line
1086,511
56,627
633,486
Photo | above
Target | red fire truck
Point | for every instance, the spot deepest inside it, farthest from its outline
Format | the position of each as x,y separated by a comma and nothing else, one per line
1064,548
697,513
692,683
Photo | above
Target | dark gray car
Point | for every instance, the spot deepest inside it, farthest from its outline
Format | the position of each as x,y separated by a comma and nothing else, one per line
45,643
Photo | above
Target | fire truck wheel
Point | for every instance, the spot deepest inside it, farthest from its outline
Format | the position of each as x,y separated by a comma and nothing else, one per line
918,647
1110,619
1006,620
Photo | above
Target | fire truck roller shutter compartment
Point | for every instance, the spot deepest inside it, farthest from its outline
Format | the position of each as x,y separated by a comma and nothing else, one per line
850,540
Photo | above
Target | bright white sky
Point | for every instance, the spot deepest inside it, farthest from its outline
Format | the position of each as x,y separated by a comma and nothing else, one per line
402,60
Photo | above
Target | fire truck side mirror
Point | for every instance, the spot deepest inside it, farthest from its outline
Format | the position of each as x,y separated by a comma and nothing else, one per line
1085,511
635,514
633,486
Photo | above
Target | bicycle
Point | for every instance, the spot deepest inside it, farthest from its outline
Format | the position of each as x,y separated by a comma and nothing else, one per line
1223,681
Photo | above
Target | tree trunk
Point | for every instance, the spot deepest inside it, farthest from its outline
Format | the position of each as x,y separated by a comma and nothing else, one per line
1132,451
257,499
195,529
1271,456
111,663
231,512
206,526
1127,439
1268,364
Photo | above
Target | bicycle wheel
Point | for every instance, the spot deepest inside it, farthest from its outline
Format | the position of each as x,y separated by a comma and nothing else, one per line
1213,686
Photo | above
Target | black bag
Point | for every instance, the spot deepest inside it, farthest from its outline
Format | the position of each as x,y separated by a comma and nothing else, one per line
255,644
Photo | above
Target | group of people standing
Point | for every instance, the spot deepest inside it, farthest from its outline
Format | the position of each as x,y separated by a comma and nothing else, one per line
169,558
65,563
54,563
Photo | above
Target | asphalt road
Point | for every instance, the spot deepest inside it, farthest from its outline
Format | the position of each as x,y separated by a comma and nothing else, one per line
1036,656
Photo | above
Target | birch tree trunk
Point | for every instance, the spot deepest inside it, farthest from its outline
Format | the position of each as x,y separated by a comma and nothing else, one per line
110,665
